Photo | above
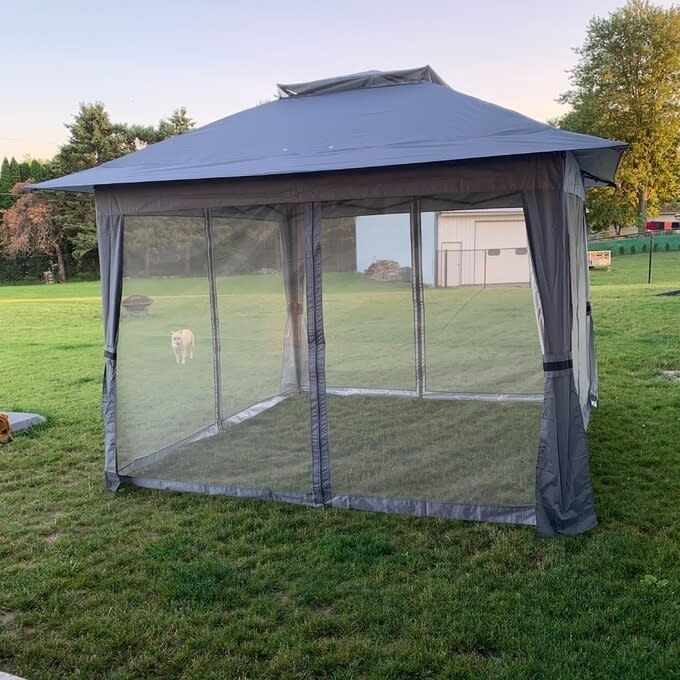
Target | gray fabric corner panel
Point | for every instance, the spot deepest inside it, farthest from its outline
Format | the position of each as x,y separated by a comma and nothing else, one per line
564,497
110,241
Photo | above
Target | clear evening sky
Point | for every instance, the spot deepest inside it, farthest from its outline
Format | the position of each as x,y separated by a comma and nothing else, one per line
144,59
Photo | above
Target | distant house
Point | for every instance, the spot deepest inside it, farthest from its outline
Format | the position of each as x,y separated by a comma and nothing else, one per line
668,219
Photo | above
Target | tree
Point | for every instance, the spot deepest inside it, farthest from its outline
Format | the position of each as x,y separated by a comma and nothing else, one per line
139,136
178,123
5,187
74,215
606,210
30,227
38,172
24,171
626,86
10,174
94,139
14,174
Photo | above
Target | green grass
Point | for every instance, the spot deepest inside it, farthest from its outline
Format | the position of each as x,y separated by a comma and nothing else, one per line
154,584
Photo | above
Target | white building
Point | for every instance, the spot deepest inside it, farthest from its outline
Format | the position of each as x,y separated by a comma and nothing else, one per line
460,248
481,247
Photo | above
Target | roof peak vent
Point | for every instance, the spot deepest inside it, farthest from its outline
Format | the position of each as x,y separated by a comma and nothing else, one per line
360,81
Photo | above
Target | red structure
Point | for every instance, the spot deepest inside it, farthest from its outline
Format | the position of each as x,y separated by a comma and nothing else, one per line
661,226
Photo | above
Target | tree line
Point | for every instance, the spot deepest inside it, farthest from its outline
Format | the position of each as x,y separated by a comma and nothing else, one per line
61,225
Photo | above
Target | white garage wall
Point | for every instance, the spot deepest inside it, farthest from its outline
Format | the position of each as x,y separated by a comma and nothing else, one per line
506,238
475,231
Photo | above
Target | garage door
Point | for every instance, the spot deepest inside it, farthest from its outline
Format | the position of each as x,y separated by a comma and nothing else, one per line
505,243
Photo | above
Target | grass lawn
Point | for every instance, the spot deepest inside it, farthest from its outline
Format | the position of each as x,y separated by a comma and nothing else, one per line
154,584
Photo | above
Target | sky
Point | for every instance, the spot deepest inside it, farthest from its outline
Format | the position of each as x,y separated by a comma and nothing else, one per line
144,59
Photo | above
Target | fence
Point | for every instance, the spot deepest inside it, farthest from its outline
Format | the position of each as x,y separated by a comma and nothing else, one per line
643,258
640,243
653,258
481,267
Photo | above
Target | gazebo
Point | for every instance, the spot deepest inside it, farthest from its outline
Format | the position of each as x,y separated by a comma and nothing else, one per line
311,380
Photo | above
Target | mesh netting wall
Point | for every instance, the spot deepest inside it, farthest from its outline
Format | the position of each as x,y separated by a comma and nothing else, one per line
443,405
226,404
471,438
482,347
165,289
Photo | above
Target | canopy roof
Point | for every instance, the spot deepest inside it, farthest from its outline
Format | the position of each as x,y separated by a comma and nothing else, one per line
365,120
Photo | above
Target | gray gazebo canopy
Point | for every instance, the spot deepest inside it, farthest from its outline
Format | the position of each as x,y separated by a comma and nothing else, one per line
358,144
373,120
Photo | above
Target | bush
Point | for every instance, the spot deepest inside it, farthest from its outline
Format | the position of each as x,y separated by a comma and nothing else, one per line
656,247
644,248
622,250
633,250
667,246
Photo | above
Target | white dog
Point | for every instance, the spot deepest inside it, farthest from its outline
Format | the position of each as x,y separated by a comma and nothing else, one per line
182,343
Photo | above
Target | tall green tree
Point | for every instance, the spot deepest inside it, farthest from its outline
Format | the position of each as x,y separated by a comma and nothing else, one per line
38,171
14,175
626,86
10,174
93,139
6,197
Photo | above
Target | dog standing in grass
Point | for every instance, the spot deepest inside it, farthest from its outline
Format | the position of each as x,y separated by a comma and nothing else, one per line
183,345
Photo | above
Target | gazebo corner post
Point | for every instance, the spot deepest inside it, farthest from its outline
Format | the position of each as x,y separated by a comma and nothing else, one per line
316,347
214,317
417,295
